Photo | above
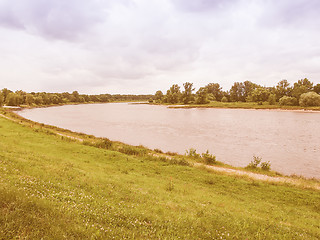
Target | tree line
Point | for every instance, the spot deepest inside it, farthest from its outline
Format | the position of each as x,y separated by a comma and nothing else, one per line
18,98
303,93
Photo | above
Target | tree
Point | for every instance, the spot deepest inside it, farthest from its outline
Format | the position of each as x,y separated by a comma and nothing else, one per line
259,94
5,93
272,99
316,88
12,99
1,99
309,99
173,94
300,87
202,96
29,99
283,89
158,96
237,92
215,90
187,93
248,87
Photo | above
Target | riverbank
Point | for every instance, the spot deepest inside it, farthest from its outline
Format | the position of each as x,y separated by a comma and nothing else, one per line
58,187
243,105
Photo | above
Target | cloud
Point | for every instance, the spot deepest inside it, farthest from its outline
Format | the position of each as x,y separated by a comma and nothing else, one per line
53,19
131,45
202,5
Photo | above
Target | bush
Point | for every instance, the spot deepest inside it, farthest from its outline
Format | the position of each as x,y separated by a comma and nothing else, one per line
265,166
192,153
254,164
224,99
309,99
272,99
208,158
132,150
288,101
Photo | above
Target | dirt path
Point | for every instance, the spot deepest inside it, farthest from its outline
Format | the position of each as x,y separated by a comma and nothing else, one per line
229,171
258,176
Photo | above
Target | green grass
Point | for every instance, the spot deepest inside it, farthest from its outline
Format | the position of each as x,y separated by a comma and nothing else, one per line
54,188
246,105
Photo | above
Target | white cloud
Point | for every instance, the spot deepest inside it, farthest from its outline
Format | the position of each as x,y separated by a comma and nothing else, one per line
140,46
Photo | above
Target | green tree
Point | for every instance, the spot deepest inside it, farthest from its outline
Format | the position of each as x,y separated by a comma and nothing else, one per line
300,87
272,99
248,87
187,93
237,92
259,94
309,99
158,96
5,93
202,96
38,100
173,94
215,90
12,99
29,99
316,88
1,99
283,89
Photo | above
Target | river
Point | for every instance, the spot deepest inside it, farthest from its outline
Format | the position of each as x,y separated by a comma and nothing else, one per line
290,140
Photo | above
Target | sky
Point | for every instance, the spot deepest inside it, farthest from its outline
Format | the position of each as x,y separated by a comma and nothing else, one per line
141,46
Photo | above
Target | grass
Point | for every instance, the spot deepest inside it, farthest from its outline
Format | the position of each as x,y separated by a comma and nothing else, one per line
55,188
246,105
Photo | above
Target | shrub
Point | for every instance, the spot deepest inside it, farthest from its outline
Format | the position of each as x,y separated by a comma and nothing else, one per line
272,99
288,101
208,158
255,162
224,99
103,143
157,150
131,150
265,166
192,153
309,99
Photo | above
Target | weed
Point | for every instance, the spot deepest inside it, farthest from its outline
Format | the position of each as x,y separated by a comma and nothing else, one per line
192,153
254,164
170,185
208,158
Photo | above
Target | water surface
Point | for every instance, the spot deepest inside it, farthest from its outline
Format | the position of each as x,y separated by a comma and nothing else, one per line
290,140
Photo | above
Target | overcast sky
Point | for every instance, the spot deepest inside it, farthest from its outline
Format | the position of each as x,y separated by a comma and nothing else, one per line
140,46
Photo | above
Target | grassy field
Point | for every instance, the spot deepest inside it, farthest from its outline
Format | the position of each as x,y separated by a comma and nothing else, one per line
246,105
54,188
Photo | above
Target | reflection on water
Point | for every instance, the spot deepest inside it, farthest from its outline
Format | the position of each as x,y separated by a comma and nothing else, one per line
289,140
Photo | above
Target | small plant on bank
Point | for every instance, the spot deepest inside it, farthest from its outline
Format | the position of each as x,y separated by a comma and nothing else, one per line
266,166
208,158
192,153
254,164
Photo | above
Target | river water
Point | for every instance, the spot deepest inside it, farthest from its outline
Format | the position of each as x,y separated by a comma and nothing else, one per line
290,140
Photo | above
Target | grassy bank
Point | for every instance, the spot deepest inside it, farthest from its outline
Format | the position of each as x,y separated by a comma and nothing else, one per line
245,105
55,187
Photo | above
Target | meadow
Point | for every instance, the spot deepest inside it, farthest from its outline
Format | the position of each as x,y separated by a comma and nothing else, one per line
245,105
54,187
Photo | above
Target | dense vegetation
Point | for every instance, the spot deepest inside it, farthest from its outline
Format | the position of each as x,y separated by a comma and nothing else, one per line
17,98
303,93
52,187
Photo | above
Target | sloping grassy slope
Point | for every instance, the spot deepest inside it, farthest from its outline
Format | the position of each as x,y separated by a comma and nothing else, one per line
52,188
